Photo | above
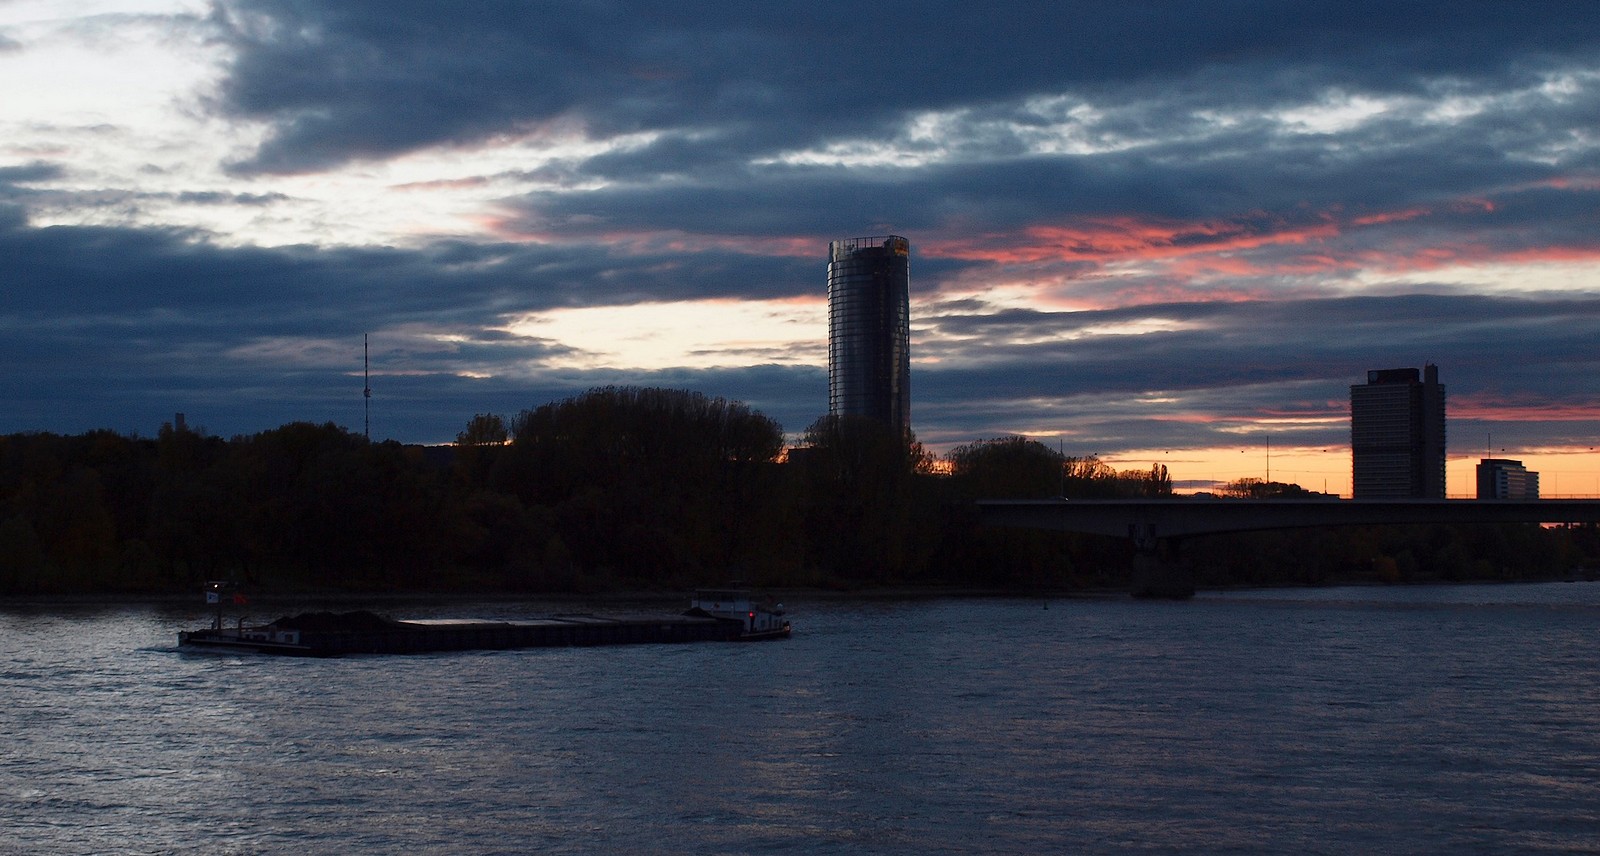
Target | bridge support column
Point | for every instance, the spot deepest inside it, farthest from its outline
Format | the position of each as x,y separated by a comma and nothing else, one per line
1158,571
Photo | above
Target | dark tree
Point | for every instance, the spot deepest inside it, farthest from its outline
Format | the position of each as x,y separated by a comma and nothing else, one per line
484,429
651,483
1254,488
1008,468
862,492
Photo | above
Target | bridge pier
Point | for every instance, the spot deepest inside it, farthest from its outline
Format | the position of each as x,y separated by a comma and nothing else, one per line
1158,570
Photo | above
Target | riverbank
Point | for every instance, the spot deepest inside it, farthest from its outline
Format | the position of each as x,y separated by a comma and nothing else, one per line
268,601
255,601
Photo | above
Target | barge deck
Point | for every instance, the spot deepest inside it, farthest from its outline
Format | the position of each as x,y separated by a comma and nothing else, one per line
721,616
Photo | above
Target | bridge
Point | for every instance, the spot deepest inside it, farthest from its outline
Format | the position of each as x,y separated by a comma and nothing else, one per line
1156,525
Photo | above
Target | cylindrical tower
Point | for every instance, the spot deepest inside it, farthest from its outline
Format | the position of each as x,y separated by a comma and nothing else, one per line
869,329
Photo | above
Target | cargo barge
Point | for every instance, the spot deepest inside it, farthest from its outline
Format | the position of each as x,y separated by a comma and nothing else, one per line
713,616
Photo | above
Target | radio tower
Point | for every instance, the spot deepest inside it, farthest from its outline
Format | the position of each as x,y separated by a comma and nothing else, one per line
366,390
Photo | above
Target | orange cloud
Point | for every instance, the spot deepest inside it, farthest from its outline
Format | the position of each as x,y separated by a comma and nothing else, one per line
1193,418
1405,259
1112,239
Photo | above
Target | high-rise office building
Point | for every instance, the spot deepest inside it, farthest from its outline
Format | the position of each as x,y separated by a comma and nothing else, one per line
869,329
1500,478
1397,434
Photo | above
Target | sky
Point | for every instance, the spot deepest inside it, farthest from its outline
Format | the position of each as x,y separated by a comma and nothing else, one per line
1169,231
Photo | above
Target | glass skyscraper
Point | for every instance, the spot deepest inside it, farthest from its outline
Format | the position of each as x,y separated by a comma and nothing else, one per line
869,329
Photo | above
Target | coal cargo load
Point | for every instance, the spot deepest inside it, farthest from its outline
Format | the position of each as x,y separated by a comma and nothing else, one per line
329,634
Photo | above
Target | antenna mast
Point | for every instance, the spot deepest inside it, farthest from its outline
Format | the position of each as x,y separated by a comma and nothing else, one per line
366,390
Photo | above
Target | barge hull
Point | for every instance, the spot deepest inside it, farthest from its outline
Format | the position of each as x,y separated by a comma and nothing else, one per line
324,637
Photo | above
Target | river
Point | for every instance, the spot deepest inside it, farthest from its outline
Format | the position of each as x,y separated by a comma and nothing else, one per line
1402,720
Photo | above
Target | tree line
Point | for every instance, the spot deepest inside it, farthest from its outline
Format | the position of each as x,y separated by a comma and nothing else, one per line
624,488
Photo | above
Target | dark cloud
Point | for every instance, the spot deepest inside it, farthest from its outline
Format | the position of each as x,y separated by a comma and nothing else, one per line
229,199
29,173
1249,364
1258,177
178,277
117,327
1248,195
1185,125
358,78
132,325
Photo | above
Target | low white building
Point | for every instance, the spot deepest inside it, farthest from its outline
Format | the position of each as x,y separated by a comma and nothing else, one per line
1500,478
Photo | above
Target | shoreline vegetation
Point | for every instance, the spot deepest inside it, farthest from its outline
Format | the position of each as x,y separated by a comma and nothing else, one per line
627,491
266,602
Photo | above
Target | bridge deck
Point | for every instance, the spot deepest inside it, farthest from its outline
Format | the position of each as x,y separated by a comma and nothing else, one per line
1148,519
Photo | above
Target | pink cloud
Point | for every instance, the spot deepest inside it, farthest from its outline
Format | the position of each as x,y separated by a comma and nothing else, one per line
1391,217
1502,408
1256,244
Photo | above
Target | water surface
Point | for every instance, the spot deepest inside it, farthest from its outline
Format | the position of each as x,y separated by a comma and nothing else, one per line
1407,720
